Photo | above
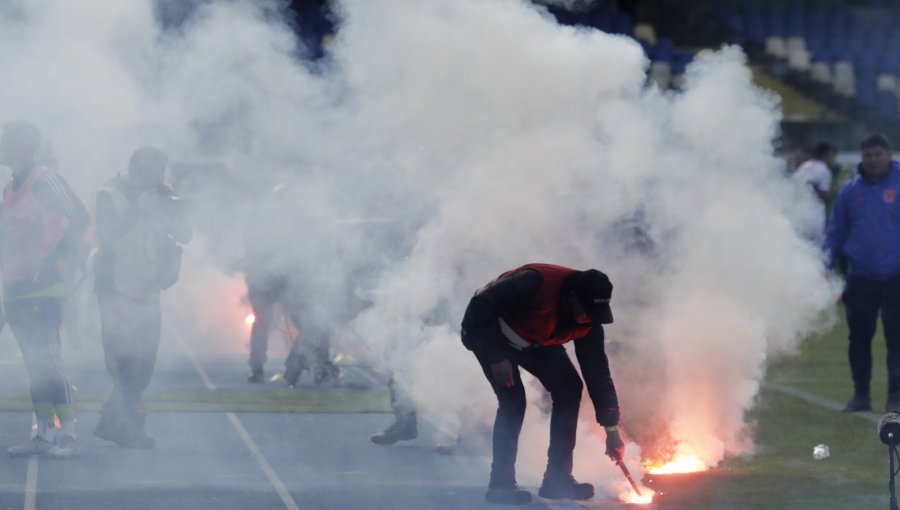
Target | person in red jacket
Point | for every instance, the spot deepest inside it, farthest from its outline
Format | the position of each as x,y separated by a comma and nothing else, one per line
43,222
522,319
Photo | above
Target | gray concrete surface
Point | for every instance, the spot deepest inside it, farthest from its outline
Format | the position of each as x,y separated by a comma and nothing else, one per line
236,461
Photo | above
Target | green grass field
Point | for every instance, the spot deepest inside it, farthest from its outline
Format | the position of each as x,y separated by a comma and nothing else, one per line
275,400
783,473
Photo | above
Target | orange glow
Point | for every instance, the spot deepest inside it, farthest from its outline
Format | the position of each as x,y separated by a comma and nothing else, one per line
250,319
680,464
634,499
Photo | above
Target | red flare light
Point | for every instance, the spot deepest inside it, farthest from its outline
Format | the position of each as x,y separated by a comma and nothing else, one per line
634,499
679,464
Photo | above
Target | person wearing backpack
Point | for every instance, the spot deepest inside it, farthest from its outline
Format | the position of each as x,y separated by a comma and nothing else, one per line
140,227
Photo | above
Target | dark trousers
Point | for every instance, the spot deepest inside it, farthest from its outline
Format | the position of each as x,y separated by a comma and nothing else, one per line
35,324
310,351
862,301
553,368
264,294
401,403
130,330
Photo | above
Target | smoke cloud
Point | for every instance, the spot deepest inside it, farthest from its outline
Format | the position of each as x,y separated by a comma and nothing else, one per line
437,145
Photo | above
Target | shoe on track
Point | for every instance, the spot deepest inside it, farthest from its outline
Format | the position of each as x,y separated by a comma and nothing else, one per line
403,429
256,377
508,495
66,447
565,487
37,446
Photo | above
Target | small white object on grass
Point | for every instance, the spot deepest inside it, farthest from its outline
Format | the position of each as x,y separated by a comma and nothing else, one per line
821,451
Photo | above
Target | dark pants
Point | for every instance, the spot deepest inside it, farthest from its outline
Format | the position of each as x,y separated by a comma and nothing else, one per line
862,300
309,351
130,330
35,324
264,294
401,403
553,368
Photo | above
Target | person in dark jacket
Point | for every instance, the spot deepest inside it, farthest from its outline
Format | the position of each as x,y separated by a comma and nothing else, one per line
864,228
522,319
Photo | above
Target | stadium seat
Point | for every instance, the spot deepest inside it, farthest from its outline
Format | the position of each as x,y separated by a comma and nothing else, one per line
886,82
660,74
887,104
820,71
776,46
797,55
646,32
844,80
623,24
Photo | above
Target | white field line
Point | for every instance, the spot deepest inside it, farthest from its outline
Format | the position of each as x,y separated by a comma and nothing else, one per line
816,400
273,477
31,483
784,389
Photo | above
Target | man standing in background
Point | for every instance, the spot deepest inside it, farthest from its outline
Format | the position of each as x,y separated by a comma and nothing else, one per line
140,225
865,229
816,174
522,319
43,222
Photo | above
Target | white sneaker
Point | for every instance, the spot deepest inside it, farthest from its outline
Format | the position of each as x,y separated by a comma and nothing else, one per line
65,447
37,446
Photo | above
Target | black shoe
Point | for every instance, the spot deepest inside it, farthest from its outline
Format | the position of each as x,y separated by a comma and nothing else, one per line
451,448
294,366
256,376
507,495
403,429
565,487
327,373
125,437
893,403
858,403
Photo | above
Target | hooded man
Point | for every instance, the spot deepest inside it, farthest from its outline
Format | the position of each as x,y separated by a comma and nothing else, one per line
140,226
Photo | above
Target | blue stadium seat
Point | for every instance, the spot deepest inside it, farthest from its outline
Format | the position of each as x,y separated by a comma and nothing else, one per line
623,24
680,61
886,104
664,49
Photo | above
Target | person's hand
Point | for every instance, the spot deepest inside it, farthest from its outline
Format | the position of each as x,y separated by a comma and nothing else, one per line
615,448
503,373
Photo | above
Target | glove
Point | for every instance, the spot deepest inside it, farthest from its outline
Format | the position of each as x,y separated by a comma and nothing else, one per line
615,448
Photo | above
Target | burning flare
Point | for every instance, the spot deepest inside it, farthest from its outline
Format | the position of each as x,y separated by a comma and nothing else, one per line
633,499
250,319
679,464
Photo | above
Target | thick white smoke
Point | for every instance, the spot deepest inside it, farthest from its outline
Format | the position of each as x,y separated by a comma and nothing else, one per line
558,153
438,145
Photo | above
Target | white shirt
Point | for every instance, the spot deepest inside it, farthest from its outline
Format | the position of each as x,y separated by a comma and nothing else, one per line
816,176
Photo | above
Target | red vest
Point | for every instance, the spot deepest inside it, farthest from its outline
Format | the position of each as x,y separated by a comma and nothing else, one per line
31,231
537,322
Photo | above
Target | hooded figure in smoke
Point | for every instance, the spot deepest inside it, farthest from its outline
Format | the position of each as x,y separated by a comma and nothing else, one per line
522,319
43,222
140,226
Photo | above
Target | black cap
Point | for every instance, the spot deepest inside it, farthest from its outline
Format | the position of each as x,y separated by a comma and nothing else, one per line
594,290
